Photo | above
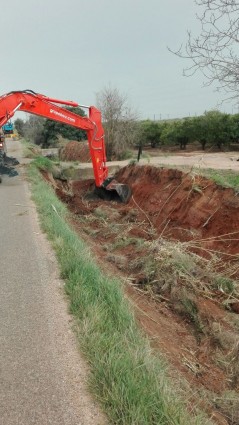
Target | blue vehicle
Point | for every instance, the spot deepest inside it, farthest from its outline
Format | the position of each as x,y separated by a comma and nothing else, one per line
8,128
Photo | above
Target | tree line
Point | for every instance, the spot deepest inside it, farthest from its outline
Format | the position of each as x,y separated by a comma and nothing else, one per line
213,129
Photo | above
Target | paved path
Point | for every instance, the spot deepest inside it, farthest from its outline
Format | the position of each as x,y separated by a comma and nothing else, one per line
42,377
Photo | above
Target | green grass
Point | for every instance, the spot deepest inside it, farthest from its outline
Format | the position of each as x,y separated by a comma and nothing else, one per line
30,150
123,242
222,177
43,163
128,379
225,178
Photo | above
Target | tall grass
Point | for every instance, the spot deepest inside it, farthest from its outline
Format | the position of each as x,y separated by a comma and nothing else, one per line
126,376
225,178
30,150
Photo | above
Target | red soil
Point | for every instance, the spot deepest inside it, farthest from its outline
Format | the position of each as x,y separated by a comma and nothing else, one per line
185,206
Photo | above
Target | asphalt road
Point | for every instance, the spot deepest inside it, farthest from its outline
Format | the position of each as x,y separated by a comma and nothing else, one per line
42,375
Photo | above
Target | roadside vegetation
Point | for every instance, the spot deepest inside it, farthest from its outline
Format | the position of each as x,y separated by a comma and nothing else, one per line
30,150
128,378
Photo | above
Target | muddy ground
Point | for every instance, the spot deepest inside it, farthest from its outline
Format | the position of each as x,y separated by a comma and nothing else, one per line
175,248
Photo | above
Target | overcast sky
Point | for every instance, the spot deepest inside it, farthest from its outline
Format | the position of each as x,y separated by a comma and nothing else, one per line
73,49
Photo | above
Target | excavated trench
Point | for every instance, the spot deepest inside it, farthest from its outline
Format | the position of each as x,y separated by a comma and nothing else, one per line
175,244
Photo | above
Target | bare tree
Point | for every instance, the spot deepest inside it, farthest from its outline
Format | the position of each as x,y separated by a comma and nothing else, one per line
119,121
215,51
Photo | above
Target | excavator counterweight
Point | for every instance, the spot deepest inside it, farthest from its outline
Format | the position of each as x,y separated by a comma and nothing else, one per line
38,104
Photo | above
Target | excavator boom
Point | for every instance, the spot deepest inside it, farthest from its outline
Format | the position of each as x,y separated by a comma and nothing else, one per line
47,107
38,104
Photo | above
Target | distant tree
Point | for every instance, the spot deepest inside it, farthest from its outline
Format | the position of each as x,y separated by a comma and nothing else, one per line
151,132
52,129
45,132
178,133
213,128
185,132
119,121
169,134
214,51
234,128
200,130
33,129
19,126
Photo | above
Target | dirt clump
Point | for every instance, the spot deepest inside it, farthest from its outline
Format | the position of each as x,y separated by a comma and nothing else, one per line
7,164
176,245
75,151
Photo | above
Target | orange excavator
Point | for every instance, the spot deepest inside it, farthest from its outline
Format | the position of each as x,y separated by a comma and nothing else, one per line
38,104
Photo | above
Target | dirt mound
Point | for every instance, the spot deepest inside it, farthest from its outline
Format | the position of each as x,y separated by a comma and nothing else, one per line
75,151
185,206
6,166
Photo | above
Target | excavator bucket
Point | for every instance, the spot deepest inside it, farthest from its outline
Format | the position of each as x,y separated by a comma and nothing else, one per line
122,190
114,191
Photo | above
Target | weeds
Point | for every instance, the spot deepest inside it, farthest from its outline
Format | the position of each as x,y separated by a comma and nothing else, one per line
194,269
123,242
43,163
225,284
228,404
197,188
222,177
170,269
30,150
187,306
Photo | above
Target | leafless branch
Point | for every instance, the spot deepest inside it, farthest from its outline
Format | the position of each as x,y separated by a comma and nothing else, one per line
214,51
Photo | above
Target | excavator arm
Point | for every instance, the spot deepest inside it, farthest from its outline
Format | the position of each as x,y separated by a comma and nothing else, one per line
47,107
38,104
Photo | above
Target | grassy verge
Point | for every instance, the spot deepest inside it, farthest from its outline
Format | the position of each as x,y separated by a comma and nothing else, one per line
30,150
224,178
127,378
